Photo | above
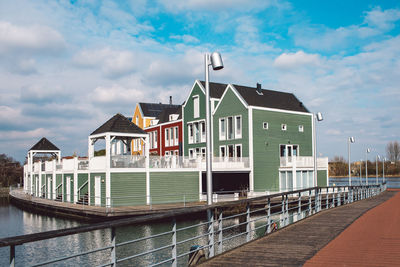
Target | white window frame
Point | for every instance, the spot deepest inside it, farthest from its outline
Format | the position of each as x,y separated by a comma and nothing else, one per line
196,132
203,152
155,136
176,136
241,151
283,126
265,125
227,128
220,151
190,133
202,131
166,132
196,106
238,134
191,153
227,150
166,153
171,136
222,123
301,128
198,152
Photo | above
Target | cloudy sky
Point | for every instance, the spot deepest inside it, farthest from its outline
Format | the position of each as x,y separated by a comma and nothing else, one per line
68,66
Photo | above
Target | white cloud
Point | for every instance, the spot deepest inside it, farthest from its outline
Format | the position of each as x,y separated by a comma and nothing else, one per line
185,38
117,94
29,39
383,20
15,135
298,59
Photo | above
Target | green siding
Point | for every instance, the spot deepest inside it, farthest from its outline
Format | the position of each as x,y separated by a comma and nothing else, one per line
71,186
102,188
44,182
231,106
188,117
58,182
266,144
128,189
321,178
174,187
82,178
49,185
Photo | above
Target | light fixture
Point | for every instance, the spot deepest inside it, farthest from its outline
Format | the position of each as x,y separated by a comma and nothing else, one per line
317,117
350,140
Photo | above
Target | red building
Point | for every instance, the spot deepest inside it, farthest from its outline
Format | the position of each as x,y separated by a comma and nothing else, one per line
166,133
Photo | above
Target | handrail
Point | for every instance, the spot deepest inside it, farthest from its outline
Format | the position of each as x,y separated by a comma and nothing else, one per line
19,240
80,188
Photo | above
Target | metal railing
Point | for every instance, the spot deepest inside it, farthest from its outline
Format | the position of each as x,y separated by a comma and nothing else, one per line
226,226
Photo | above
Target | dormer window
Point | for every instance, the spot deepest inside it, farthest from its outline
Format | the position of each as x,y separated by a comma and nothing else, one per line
153,122
173,117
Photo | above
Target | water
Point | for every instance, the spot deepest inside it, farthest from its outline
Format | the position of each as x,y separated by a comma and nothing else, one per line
14,221
392,182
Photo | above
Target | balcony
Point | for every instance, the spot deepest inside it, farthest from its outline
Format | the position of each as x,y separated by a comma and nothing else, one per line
303,162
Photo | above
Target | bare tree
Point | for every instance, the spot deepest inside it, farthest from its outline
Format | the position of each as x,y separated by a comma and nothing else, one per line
393,151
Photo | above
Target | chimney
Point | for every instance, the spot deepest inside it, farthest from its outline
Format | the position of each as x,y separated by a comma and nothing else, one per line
259,90
170,99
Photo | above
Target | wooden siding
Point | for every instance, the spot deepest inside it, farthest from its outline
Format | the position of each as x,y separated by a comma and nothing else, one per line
82,178
189,116
231,106
102,188
128,189
266,144
321,178
166,187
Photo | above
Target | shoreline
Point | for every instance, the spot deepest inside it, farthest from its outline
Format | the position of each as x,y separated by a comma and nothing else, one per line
369,176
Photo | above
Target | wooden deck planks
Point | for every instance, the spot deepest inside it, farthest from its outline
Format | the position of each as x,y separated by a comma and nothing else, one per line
295,244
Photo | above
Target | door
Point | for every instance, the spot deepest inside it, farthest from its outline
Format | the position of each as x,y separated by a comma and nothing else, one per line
97,190
68,189
48,187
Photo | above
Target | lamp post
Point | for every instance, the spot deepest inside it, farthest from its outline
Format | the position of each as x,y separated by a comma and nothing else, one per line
215,61
383,169
376,161
317,117
366,165
350,140
360,171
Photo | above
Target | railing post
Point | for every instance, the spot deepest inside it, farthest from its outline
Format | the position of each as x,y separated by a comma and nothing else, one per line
333,198
12,256
173,250
316,200
248,233
327,198
287,210
339,197
309,202
210,218
283,210
220,236
299,204
113,249
269,216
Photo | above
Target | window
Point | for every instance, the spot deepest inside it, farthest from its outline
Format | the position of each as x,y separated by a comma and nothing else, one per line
190,132
196,107
238,127
238,151
222,151
283,127
137,120
222,129
155,135
203,131
203,152
191,156
167,153
265,125
295,150
166,137
171,139
176,136
196,132
231,151
198,152
301,128
230,128
283,150
151,139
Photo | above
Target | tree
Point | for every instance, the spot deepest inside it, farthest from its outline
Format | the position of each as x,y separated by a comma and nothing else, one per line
393,151
338,166
11,171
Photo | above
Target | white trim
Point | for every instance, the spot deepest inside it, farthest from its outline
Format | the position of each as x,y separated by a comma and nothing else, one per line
301,128
162,124
241,150
190,92
220,154
282,110
265,123
222,137
241,127
196,108
284,127
237,95
251,157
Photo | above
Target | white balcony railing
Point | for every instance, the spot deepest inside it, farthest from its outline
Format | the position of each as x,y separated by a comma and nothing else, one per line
303,162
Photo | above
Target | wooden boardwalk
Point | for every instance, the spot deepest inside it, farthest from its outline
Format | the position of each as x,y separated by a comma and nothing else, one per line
296,243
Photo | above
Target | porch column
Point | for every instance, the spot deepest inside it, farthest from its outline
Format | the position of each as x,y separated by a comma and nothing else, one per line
108,175
147,162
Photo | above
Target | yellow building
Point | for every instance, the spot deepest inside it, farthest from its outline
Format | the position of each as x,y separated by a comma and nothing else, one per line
143,116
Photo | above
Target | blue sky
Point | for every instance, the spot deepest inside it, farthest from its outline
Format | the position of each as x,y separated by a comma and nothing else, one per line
68,66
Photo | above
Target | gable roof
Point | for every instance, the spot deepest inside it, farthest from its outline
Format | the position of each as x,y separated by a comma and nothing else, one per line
270,99
164,115
216,89
118,124
44,144
154,109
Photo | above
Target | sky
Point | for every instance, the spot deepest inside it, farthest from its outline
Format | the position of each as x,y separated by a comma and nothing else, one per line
68,66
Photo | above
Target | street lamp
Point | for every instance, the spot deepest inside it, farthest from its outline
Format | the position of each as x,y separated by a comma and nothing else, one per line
360,171
366,165
376,161
317,117
350,140
215,61
383,169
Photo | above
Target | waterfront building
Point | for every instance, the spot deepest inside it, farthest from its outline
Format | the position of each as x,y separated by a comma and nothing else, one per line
262,142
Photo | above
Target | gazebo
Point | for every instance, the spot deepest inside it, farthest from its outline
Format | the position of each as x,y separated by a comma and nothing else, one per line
119,128
44,146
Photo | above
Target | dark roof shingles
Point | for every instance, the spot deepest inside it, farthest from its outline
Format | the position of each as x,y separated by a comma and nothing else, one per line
119,124
216,89
154,109
164,115
44,144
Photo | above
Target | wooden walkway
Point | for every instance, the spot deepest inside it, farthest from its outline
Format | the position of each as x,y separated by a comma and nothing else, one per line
296,243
